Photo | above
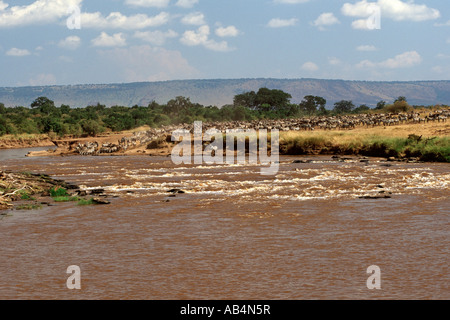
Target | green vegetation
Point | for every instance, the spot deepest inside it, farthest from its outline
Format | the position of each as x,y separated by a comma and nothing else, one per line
85,202
24,195
65,199
29,207
56,192
45,118
436,149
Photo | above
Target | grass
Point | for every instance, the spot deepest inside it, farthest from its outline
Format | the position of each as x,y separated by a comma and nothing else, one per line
85,202
428,142
24,195
29,207
23,137
56,192
66,199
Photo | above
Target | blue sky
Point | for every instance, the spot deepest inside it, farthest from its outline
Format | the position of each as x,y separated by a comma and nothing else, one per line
49,42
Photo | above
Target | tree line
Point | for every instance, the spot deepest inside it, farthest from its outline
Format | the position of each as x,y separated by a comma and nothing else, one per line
43,117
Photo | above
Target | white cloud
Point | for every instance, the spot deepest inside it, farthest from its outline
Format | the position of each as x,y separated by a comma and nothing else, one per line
280,23
195,38
325,19
157,37
116,20
437,69
148,3
362,24
70,43
396,10
230,31
38,12
144,63
201,37
404,60
334,61
366,64
186,3
105,40
443,56
43,79
310,66
3,5
445,24
15,52
195,18
366,48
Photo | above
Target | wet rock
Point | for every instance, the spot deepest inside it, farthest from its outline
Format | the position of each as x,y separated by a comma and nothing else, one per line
376,197
97,191
175,191
301,161
81,193
100,201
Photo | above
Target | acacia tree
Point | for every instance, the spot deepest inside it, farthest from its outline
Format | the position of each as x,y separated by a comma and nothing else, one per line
178,105
263,100
380,105
343,106
311,104
43,105
246,99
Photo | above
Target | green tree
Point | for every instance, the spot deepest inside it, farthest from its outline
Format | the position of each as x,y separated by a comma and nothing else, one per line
2,108
380,105
65,109
343,106
246,99
264,100
276,99
178,105
311,104
91,127
361,109
400,99
44,105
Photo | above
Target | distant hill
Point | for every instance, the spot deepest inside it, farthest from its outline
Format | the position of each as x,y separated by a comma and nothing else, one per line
218,92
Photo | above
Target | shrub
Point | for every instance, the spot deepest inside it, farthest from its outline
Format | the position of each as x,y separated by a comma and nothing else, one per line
65,199
85,202
58,192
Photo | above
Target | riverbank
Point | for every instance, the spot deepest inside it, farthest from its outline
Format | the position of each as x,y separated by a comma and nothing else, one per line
28,191
413,141
25,141
422,142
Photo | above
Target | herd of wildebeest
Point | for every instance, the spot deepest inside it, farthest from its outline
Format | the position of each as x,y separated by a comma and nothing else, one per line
339,122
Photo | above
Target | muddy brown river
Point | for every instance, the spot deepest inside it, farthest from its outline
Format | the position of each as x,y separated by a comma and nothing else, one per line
304,233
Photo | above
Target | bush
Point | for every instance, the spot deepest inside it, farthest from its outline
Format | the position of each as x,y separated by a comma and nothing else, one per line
58,192
65,199
84,202
398,106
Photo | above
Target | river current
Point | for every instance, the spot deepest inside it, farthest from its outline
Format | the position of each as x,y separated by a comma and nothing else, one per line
305,233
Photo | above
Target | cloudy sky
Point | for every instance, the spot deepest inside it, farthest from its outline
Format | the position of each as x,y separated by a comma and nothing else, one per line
47,42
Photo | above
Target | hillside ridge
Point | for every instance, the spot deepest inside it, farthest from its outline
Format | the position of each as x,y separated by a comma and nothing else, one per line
219,92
